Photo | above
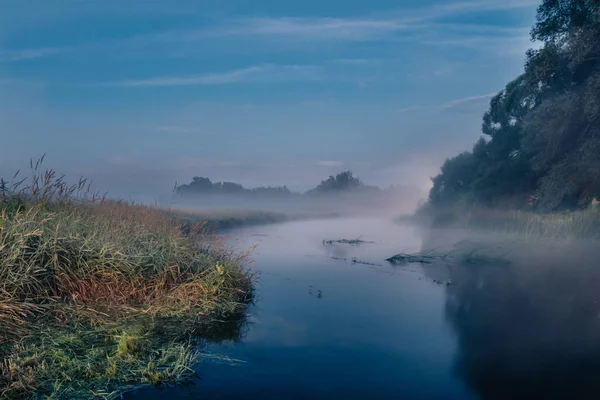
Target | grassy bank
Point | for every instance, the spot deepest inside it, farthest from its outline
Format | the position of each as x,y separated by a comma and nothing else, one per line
220,220
580,224
97,297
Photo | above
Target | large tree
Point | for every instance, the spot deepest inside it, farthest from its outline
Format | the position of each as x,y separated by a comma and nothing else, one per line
542,132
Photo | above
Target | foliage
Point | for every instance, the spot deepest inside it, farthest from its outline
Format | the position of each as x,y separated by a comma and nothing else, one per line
192,221
84,283
342,182
541,144
200,185
345,182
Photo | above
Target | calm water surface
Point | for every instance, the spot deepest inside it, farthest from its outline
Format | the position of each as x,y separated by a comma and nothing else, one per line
326,328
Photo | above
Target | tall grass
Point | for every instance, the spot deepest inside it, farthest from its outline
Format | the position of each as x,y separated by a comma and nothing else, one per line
580,224
78,272
218,220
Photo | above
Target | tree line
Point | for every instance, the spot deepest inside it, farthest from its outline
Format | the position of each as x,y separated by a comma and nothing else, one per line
344,182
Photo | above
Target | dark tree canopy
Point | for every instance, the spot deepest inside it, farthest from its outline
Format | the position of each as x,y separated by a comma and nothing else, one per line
541,144
341,182
344,182
204,186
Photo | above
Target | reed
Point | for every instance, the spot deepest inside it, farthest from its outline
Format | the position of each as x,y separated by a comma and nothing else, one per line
83,282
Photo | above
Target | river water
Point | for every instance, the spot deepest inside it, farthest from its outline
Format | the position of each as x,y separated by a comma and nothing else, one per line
324,327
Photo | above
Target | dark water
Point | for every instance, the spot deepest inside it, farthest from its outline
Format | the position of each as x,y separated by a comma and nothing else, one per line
324,328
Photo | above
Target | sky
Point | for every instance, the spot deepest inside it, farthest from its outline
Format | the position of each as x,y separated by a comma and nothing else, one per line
138,95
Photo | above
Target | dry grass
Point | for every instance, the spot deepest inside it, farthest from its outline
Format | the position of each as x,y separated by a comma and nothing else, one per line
575,225
582,224
209,221
73,263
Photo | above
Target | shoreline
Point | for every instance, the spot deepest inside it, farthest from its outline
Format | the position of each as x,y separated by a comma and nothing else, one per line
103,297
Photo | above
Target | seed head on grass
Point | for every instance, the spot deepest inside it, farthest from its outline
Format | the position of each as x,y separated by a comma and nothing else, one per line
83,282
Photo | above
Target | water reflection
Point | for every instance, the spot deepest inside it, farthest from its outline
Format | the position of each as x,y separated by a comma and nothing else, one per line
529,329
323,328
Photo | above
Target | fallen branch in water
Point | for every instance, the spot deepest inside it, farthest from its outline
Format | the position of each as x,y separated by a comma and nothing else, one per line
403,258
355,242
357,261
339,258
473,256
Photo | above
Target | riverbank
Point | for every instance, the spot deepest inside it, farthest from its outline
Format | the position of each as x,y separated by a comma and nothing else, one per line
192,220
571,225
98,297
220,220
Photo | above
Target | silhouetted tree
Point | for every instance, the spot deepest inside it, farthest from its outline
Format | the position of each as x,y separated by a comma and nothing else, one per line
542,132
344,181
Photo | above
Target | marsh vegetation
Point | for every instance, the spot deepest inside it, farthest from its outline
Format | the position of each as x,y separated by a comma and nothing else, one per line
98,296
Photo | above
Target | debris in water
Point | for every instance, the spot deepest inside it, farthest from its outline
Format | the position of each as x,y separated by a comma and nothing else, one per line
354,242
318,294
414,259
357,261
340,258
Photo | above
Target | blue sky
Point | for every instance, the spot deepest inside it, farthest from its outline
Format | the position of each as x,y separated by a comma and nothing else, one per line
138,94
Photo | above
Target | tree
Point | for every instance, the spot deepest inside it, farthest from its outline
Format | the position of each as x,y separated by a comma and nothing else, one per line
542,132
198,185
344,181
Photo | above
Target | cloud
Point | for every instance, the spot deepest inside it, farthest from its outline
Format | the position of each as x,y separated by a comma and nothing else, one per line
448,9
32,54
516,44
451,104
465,100
356,61
407,109
330,164
321,28
365,28
261,73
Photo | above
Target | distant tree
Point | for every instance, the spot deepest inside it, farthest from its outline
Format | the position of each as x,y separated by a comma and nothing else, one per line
344,181
198,185
272,191
228,188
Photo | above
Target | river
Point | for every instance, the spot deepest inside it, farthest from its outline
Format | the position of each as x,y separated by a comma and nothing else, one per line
325,327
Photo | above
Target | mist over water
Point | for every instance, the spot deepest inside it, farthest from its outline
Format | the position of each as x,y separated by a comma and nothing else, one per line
372,157
344,204
325,327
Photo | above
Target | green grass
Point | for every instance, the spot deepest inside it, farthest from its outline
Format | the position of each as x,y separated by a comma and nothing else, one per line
573,225
218,220
97,296
581,224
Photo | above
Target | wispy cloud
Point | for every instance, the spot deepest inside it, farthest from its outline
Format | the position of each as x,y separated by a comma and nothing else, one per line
408,109
330,164
365,28
261,73
465,100
449,105
500,46
449,8
356,61
322,28
32,54
424,20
